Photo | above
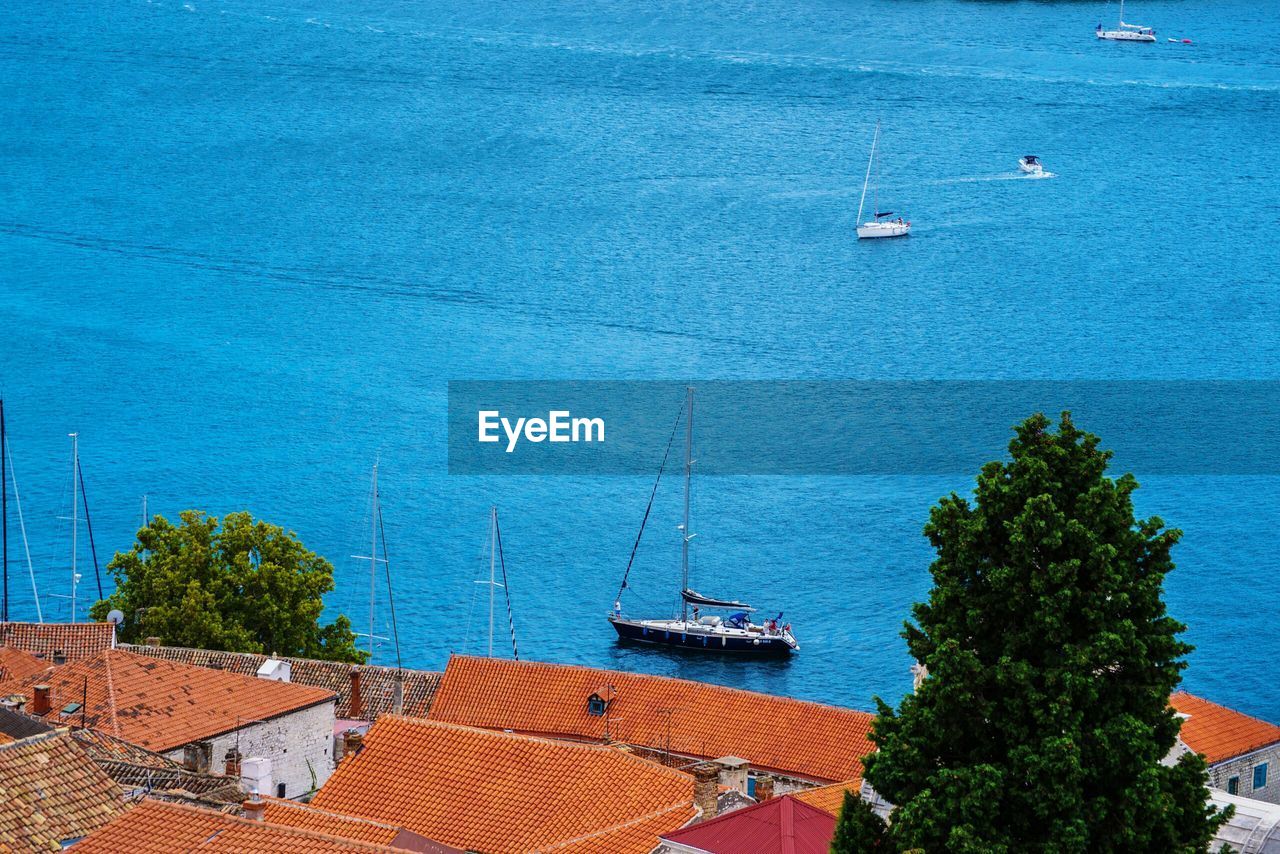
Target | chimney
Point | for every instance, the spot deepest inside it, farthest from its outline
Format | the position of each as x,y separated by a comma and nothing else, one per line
764,788
254,808
153,641
59,658
197,756
356,710
352,741
734,772
232,763
706,779
40,703
397,697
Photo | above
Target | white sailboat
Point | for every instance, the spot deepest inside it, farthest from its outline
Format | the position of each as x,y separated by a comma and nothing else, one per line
1127,32
879,225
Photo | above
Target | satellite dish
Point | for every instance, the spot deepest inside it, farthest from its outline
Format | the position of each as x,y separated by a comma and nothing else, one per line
115,618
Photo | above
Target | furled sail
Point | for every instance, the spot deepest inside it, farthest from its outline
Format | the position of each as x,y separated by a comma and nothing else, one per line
694,598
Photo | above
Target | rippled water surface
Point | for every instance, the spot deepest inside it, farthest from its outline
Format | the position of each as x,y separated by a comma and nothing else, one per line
243,246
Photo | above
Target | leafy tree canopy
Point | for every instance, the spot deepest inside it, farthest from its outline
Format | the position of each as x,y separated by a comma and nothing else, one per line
1051,659
244,586
858,830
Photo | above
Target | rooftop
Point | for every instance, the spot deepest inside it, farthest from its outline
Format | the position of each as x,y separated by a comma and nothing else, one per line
139,771
51,793
161,705
16,664
160,827
829,798
377,683
500,792
778,826
795,737
74,640
1220,733
308,817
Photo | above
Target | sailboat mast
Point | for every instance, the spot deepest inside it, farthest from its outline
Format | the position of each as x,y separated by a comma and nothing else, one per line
1121,13
867,180
373,559
4,512
75,519
688,475
493,554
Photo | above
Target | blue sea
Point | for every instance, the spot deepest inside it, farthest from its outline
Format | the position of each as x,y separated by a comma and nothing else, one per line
244,244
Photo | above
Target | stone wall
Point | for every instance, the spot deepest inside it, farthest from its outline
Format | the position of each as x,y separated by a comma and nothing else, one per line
299,745
1242,767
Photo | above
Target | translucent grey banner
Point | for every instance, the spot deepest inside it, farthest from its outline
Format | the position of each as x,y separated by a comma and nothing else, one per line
1218,427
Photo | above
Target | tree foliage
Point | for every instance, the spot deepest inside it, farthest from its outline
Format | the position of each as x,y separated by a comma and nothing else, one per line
1051,659
242,586
858,830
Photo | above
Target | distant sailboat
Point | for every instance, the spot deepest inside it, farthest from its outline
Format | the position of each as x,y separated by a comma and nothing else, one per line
1127,32
879,225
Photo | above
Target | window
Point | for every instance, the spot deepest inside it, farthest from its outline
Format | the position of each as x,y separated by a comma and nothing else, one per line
1233,785
1260,776
280,790
595,706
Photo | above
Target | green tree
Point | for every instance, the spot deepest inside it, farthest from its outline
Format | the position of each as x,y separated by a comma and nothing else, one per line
1051,657
858,830
244,586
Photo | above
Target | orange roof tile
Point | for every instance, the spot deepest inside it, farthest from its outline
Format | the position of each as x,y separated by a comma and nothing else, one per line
794,737
500,792
51,792
160,827
377,683
16,664
829,798
310,817
162,705
1218,732
74,640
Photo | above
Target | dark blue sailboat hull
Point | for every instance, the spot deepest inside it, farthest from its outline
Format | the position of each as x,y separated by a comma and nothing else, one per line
634,632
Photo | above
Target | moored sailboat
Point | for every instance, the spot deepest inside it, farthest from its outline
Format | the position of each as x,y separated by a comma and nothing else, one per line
1127,32
880,224
734,632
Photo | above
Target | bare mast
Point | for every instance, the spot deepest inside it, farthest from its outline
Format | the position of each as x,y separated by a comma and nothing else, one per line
684,529
75,519
373,559
867,180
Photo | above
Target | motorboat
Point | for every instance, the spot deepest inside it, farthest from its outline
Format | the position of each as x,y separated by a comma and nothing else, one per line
1127,32
880,224
692,630
1030,164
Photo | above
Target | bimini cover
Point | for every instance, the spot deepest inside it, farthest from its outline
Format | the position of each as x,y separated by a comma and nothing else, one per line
694,598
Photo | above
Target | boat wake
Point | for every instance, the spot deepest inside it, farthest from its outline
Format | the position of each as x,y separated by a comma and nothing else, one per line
980,179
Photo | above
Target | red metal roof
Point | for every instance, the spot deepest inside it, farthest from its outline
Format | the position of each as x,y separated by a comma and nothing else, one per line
778,826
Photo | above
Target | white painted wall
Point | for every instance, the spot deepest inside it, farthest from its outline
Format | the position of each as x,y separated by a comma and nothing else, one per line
297,744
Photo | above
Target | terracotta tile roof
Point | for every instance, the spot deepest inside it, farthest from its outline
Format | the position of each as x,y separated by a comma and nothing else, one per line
829,798
1218,732
139,771
162,705
377,683
74,640
499,792
15,725
777,826
159,827
794,737
50,792
309,817
16,664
